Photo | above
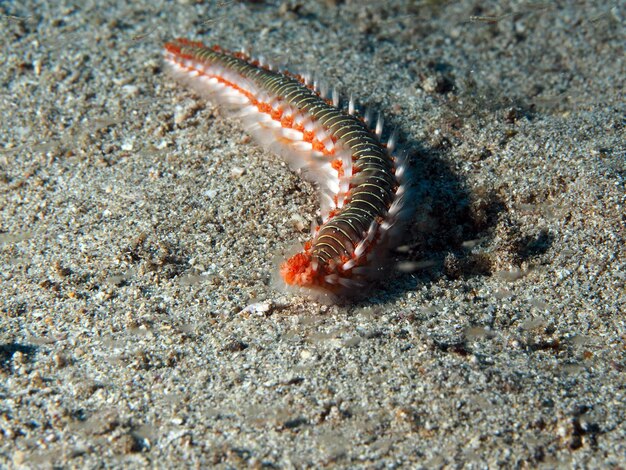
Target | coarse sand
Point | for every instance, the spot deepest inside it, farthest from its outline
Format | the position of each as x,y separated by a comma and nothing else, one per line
139,229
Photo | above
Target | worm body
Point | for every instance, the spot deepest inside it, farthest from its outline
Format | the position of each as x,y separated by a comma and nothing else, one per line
361,183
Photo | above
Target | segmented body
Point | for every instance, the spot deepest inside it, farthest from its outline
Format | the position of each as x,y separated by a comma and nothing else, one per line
360,182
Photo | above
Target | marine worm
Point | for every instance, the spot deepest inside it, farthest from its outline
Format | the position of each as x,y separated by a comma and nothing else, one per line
362,183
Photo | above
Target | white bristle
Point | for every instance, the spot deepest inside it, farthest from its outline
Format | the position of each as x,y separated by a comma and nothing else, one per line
371,231
323,89
379,125
400,171
348,264
393,140
369,112
360,248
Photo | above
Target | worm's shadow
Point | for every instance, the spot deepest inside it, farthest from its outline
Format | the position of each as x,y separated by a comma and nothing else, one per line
448,219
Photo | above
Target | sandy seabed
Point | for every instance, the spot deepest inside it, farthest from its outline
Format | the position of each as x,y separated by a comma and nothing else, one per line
139,227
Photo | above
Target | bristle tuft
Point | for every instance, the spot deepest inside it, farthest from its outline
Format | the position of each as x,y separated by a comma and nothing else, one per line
392,141
369,114
379,125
